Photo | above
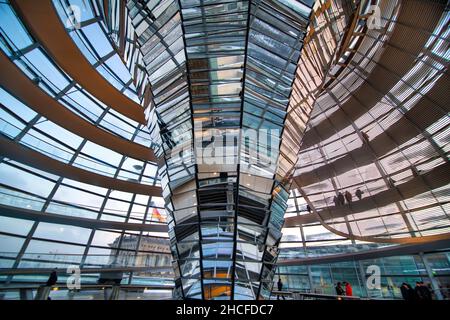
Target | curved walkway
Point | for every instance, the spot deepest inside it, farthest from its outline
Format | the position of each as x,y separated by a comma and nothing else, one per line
23,154
19,85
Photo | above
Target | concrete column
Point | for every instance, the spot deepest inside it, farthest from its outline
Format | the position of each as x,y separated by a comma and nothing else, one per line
42,293
115,293
434,283
26,293
362,275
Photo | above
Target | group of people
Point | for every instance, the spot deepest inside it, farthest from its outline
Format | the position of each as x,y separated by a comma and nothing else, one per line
341,198
420,292
347,290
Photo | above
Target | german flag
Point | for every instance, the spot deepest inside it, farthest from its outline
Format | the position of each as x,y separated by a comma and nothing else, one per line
157,215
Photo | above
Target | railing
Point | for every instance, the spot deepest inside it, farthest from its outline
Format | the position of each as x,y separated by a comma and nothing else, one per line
86,292
298,295
100,277
121,260
19,199
84,162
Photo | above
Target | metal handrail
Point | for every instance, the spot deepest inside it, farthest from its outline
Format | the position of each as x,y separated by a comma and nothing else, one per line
299,295
91,286
9,271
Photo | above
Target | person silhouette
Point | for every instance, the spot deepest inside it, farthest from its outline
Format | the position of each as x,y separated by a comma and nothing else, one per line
280,288
52,279
359,194
341,198
348,197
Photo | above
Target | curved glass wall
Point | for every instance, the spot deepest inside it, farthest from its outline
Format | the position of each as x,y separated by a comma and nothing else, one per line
97,39
32,189
395,270
31,58
374,157
42,245
23,125
334,150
